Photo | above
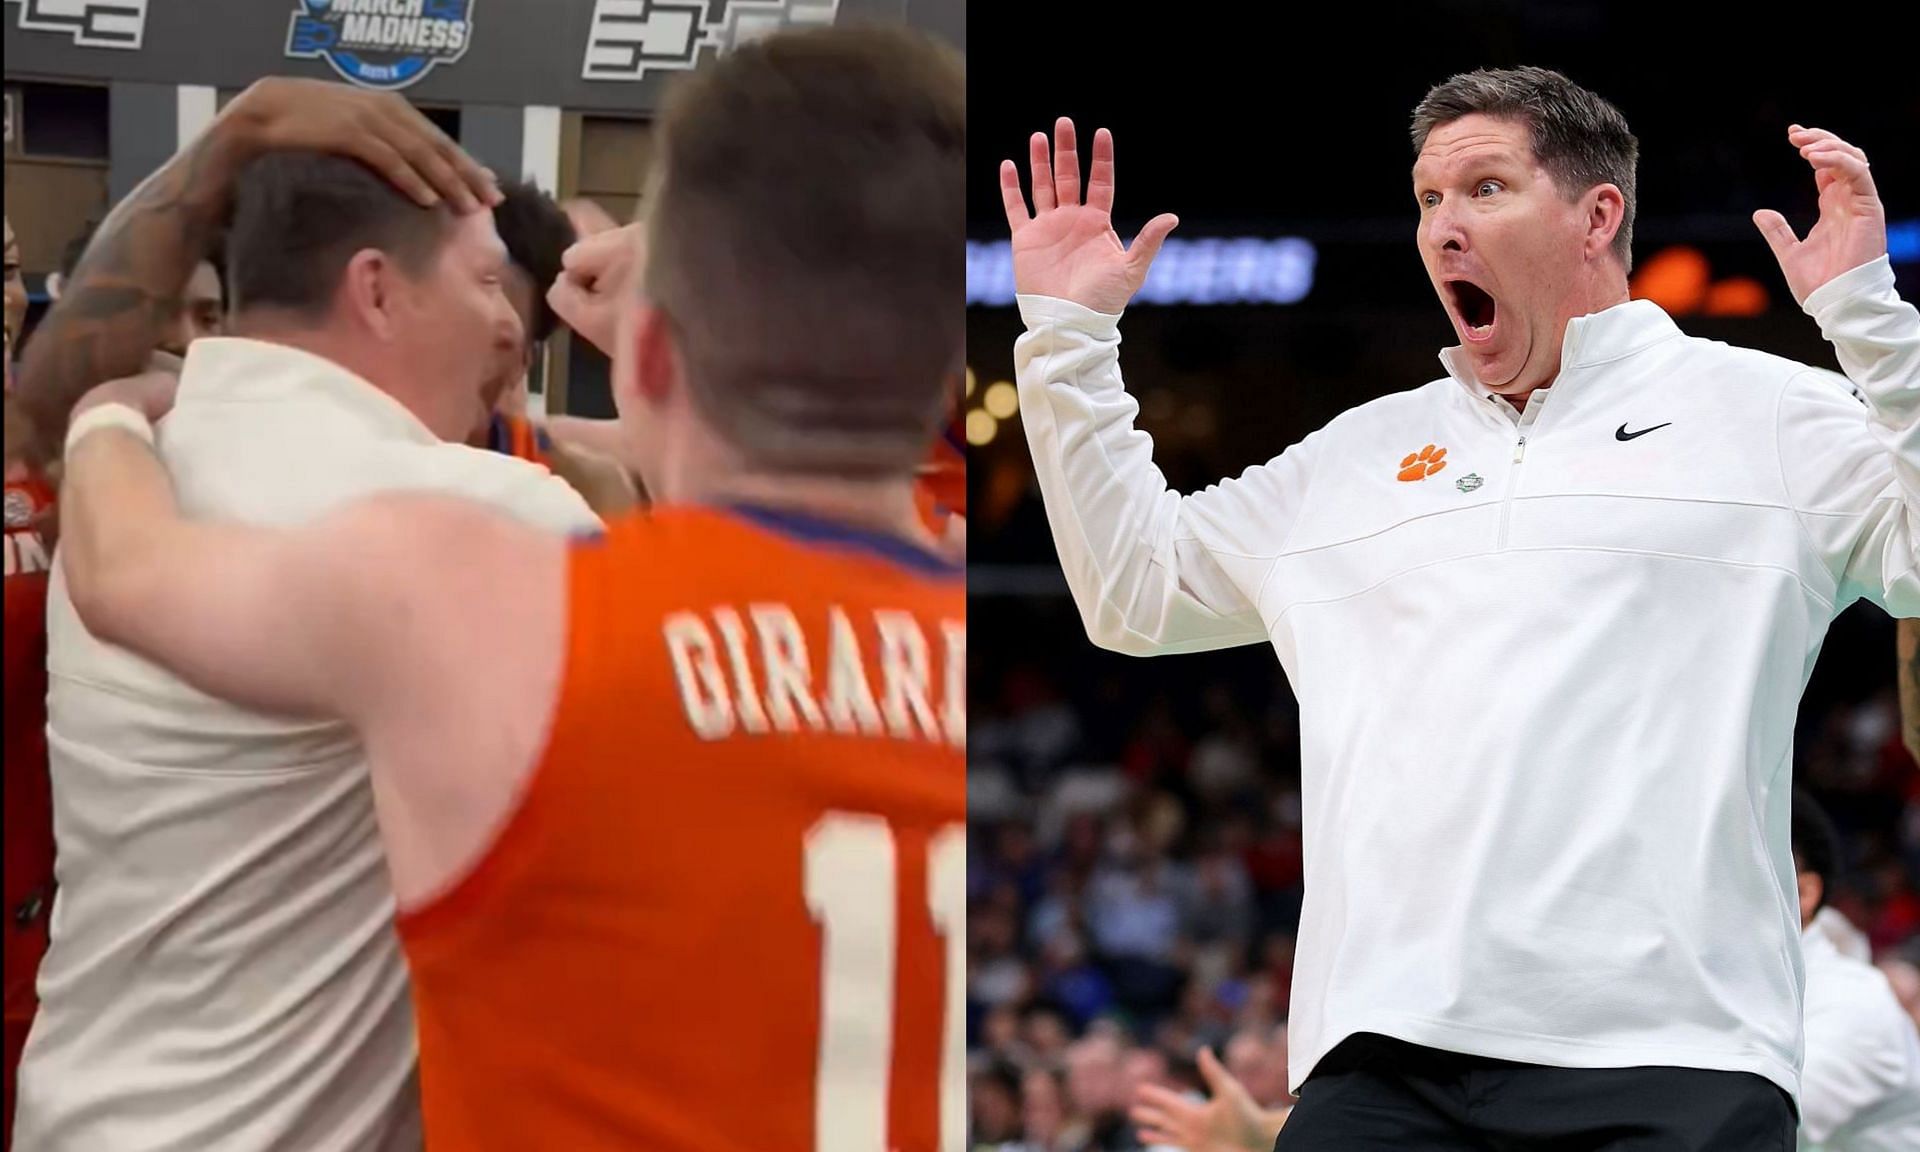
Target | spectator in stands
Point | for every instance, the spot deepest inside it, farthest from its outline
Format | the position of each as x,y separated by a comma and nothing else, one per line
1860,1085
1135,920
1096,1092
1257,1057
1046,1036
997,974
1043,1115
1216,909
993,1096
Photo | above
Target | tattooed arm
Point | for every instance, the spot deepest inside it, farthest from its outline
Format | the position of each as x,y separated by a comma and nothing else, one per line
128,286
1910,685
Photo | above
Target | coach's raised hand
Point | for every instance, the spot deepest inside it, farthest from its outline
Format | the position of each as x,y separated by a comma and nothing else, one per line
1852,229
110,316
1068,249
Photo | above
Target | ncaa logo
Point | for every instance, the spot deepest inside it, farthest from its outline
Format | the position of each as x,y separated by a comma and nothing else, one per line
630,38
381,43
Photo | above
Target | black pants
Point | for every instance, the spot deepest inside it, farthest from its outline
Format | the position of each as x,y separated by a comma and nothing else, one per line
1377,1093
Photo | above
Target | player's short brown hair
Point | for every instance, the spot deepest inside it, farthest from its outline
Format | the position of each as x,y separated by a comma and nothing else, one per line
1579,138
806,234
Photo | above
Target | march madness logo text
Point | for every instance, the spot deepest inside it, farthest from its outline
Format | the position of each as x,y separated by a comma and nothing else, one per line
381,43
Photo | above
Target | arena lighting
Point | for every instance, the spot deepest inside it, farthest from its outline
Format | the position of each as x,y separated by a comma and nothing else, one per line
1903,241
981,428
1681,281
1243,270
1001,401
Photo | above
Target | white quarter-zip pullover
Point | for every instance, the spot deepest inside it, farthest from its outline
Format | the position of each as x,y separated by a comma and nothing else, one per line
1547,688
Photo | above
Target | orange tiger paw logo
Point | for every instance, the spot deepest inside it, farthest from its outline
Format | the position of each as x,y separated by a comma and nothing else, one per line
1424,463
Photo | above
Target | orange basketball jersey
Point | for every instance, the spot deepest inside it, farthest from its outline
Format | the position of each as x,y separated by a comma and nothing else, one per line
729,912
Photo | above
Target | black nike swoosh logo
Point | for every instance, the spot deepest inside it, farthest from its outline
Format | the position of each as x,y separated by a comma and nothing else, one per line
1621,434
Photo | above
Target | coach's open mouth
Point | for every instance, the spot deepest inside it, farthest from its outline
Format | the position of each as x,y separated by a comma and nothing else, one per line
1476,308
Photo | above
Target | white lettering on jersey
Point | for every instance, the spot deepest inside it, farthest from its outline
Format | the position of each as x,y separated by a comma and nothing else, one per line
696,668
953,707
849,697
753,717
26,554
726,691
903,666
783,653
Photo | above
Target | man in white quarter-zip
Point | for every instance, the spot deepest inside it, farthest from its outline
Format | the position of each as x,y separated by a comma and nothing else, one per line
223,973
1550,894
1860,1087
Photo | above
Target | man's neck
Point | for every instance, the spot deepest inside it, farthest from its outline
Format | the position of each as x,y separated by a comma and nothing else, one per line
883,506
291,331
1600,296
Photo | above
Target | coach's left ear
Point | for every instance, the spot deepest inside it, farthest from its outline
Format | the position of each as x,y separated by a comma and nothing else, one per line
1606,214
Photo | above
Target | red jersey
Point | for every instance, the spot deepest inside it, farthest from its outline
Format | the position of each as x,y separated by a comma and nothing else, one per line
28,793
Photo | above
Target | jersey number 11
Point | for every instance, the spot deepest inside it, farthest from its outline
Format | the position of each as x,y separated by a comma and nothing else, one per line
851,877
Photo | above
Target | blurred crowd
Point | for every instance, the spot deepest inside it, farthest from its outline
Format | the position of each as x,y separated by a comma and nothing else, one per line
1136,867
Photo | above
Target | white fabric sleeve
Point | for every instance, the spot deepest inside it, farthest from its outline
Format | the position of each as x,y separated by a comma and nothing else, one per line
1853,470
1151,571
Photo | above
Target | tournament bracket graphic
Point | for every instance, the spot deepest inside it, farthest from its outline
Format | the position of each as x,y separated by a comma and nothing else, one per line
92,23
630,38
381,43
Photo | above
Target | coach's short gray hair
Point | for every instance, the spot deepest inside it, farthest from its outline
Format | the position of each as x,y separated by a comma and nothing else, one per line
1579,138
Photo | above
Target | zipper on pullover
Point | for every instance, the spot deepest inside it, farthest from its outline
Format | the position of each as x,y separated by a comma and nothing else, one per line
1528,418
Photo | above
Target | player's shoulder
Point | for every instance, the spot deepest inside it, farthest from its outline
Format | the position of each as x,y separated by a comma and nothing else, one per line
751,544
521,489
842,551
